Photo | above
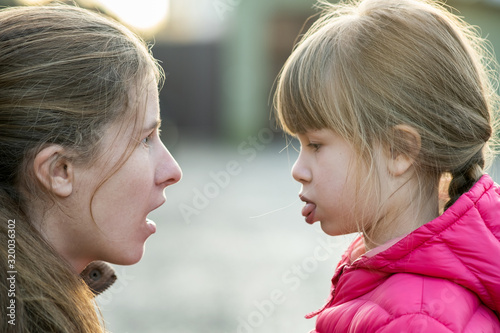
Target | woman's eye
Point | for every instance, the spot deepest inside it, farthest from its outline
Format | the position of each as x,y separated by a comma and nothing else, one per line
147,139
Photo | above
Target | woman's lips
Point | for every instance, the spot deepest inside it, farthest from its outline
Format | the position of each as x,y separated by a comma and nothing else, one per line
309,210
151,225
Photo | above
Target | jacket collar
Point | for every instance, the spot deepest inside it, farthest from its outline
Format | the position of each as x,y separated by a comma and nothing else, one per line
462,245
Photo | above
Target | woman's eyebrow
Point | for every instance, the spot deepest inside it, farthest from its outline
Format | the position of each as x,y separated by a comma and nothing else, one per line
153,125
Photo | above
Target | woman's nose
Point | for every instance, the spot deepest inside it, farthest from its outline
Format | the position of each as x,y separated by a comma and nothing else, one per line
169,171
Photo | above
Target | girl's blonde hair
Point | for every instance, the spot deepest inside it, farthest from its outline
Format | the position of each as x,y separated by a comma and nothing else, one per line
367,66
66,74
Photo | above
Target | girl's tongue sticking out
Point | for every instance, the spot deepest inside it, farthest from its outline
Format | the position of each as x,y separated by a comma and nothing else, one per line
308,212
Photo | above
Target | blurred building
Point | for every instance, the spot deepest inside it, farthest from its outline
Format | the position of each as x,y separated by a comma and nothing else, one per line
222,57
220,83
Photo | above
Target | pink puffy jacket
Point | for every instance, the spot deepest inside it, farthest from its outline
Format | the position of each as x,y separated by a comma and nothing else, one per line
442,277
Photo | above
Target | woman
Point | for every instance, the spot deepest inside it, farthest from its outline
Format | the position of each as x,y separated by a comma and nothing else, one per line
81,161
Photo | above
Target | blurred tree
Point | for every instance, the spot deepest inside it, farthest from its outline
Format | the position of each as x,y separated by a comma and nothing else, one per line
7,3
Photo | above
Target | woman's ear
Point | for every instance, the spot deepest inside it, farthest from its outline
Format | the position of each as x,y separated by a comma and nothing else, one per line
54,171
404,149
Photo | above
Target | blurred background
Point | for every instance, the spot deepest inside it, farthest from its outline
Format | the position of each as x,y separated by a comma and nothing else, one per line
232,253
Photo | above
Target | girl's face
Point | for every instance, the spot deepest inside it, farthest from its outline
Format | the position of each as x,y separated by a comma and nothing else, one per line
325,168
109,207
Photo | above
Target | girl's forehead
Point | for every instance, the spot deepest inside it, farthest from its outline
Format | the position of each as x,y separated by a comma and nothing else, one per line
315,132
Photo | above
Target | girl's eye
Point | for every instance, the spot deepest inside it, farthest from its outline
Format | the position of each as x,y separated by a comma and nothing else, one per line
314,146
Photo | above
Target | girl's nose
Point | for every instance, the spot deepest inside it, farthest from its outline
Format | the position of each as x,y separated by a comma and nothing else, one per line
168,172
300,172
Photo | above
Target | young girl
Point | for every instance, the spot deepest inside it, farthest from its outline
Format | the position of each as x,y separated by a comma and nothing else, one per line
81,161
387,97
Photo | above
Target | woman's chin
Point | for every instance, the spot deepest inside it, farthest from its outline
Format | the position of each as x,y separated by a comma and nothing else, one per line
127,258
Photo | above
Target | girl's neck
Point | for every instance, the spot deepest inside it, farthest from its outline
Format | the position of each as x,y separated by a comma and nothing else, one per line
407,212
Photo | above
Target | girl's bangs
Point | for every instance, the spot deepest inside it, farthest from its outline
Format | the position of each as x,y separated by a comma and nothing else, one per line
302,88
311,92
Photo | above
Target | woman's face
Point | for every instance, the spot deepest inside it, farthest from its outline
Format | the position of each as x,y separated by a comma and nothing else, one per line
109,207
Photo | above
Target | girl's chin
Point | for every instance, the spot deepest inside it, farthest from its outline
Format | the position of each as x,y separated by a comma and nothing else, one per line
331,231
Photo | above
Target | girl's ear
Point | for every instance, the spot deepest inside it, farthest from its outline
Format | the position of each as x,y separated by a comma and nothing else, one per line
404,149
54,171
